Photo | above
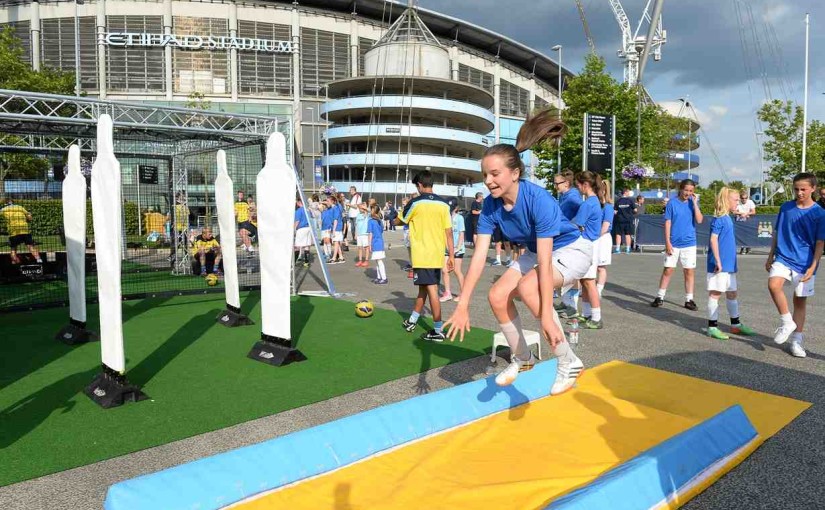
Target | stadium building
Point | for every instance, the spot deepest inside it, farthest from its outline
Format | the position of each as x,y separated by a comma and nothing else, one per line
375,90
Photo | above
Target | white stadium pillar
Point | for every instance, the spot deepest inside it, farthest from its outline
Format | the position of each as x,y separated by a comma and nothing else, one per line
232,316
276,188
110,388
74,228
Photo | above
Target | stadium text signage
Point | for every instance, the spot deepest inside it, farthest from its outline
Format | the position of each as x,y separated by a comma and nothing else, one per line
195,42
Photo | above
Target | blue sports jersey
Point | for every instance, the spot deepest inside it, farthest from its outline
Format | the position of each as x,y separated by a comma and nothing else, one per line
362,224
375,228
338,214
682,223
458,228
326,218
301,217
589,218
722,226
607,216
570,202
797,231
535,215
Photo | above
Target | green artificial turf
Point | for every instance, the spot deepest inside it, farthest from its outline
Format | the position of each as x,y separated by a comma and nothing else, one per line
195,372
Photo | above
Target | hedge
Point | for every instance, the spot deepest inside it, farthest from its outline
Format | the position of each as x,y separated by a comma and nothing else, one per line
47,217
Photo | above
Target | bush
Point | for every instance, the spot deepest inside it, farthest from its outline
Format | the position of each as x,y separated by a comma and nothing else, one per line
47,217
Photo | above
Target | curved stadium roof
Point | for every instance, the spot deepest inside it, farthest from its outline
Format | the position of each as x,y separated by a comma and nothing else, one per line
447,27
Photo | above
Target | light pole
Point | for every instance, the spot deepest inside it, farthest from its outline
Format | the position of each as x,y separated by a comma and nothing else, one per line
690,133
558,141
805,96
761,166
77,48
314,136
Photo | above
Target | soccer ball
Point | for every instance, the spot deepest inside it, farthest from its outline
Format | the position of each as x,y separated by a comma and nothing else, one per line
211,280
364,308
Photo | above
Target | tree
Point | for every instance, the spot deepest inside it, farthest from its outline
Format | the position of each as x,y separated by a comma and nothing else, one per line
595,91
16,74
783,144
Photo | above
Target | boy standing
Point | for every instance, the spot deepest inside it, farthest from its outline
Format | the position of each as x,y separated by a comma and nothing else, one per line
428,218
794,256
681,216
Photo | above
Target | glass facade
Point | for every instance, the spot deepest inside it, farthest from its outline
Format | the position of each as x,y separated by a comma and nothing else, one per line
135,69
262,73
514,100
57,47
476,77
325,57
203,71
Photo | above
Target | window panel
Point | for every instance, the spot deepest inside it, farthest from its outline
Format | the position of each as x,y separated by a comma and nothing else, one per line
203,71
264,73
57,47
476,77
135,69
513,100
325,57
364,45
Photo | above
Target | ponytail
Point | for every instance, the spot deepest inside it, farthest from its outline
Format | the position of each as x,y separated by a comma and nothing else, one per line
545,125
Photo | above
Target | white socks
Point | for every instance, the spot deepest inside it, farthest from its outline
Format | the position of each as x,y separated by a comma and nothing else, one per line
688,297
514,334
382,272
713,309
733,308
787,318
600,288
661,293
596,316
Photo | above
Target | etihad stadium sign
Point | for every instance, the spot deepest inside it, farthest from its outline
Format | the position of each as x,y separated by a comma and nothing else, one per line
195,42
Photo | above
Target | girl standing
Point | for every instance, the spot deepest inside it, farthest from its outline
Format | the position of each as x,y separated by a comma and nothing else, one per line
605,241
589,220
376,238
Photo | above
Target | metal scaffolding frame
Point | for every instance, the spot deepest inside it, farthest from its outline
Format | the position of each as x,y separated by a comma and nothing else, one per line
48,123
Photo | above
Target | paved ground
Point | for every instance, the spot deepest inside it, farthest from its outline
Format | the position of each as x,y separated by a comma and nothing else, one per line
787,472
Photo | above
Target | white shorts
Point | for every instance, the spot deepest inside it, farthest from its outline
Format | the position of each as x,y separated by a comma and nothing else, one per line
722,282
606,249
303,237
594,261
572,261
378,255
326,234
806,289
338,236
685,256
362,240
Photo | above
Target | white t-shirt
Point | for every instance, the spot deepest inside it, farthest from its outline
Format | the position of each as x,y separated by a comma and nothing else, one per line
748,207
354,200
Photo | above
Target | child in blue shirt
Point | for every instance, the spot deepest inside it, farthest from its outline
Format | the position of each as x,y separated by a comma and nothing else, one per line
375,231
682,214
326,228
555,256
362,235
605,242
589,220
797,247
722,267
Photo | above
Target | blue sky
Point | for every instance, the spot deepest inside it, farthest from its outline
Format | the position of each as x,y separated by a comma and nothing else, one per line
703,58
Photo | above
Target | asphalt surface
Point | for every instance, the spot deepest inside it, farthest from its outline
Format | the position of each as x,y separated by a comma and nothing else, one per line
788,471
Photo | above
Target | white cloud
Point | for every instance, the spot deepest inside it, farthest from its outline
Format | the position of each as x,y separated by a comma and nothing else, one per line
774,13
718,110
675,108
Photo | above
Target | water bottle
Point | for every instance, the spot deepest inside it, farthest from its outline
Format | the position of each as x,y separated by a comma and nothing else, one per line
573,332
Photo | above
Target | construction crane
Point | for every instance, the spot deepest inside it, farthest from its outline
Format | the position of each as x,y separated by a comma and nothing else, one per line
635,46
587,33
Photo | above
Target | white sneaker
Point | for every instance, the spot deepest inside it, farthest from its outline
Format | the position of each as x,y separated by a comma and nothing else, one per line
569,369
509,374
783,332
797,349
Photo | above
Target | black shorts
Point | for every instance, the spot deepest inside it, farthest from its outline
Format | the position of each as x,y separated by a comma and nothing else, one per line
249,227
19,239
426,276
623,229
498,237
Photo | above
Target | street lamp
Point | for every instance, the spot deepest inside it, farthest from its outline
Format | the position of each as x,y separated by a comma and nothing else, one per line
314,136
761,166
77,48
558,141
690,133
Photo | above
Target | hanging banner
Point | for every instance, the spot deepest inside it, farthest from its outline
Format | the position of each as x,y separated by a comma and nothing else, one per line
756,231
599,142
